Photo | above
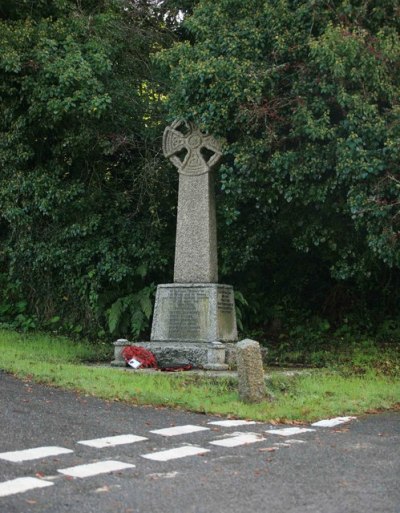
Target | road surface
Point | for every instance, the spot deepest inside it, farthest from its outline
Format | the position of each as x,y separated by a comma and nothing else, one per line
64,452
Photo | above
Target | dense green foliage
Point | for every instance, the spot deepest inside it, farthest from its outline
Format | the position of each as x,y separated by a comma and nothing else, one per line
305,96
79,183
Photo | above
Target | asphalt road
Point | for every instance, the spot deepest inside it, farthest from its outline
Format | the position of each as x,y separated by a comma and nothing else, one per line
353,467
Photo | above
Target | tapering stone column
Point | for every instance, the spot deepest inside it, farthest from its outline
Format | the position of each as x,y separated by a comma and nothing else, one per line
196,258
195,311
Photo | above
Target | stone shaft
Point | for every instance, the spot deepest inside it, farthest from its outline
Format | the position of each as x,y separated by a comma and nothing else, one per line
250,371
196,232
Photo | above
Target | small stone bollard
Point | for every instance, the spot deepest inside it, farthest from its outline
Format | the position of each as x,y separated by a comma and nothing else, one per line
250,371
216,357
119,346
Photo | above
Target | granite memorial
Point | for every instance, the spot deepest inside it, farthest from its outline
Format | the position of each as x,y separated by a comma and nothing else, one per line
194,318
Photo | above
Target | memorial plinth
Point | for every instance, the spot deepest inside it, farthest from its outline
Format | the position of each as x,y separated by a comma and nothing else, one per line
195,314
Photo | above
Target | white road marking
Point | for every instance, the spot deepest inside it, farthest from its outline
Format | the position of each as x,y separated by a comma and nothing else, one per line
163,475
93,469
111,441
332,422
172,454
52,478
33,454
106,488
289,443
21,485
288,431
179,430
232,423
241,439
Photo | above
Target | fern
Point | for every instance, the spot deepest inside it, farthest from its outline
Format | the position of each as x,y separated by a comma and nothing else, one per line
114,315
131,313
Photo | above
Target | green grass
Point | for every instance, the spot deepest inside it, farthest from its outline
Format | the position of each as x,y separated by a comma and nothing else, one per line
60,362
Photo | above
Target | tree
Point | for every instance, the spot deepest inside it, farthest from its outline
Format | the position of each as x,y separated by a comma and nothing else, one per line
305,95
80,196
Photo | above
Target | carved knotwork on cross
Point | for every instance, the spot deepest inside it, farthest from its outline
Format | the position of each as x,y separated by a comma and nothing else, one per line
191,151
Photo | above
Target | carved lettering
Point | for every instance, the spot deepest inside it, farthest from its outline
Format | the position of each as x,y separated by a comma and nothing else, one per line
225,302
188,314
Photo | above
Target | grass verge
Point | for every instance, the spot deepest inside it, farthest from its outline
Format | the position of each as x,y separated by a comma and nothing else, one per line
60,362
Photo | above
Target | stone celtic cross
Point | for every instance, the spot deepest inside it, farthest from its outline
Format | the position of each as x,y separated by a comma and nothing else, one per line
193,142
194,316
194,154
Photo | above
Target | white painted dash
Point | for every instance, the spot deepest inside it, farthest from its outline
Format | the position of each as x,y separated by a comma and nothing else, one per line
111,441
94,469
173,454
179,430
288,431
21,485
289,443
333,422
163,475
242,439
33,454
232,423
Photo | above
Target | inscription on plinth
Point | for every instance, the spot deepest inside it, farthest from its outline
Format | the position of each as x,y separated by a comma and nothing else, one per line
194,313
225,312
225,301
188,312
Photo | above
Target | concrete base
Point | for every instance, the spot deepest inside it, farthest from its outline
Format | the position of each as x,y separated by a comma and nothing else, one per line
202,356
170,354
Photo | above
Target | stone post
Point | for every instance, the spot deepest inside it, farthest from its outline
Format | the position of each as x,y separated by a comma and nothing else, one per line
250,371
